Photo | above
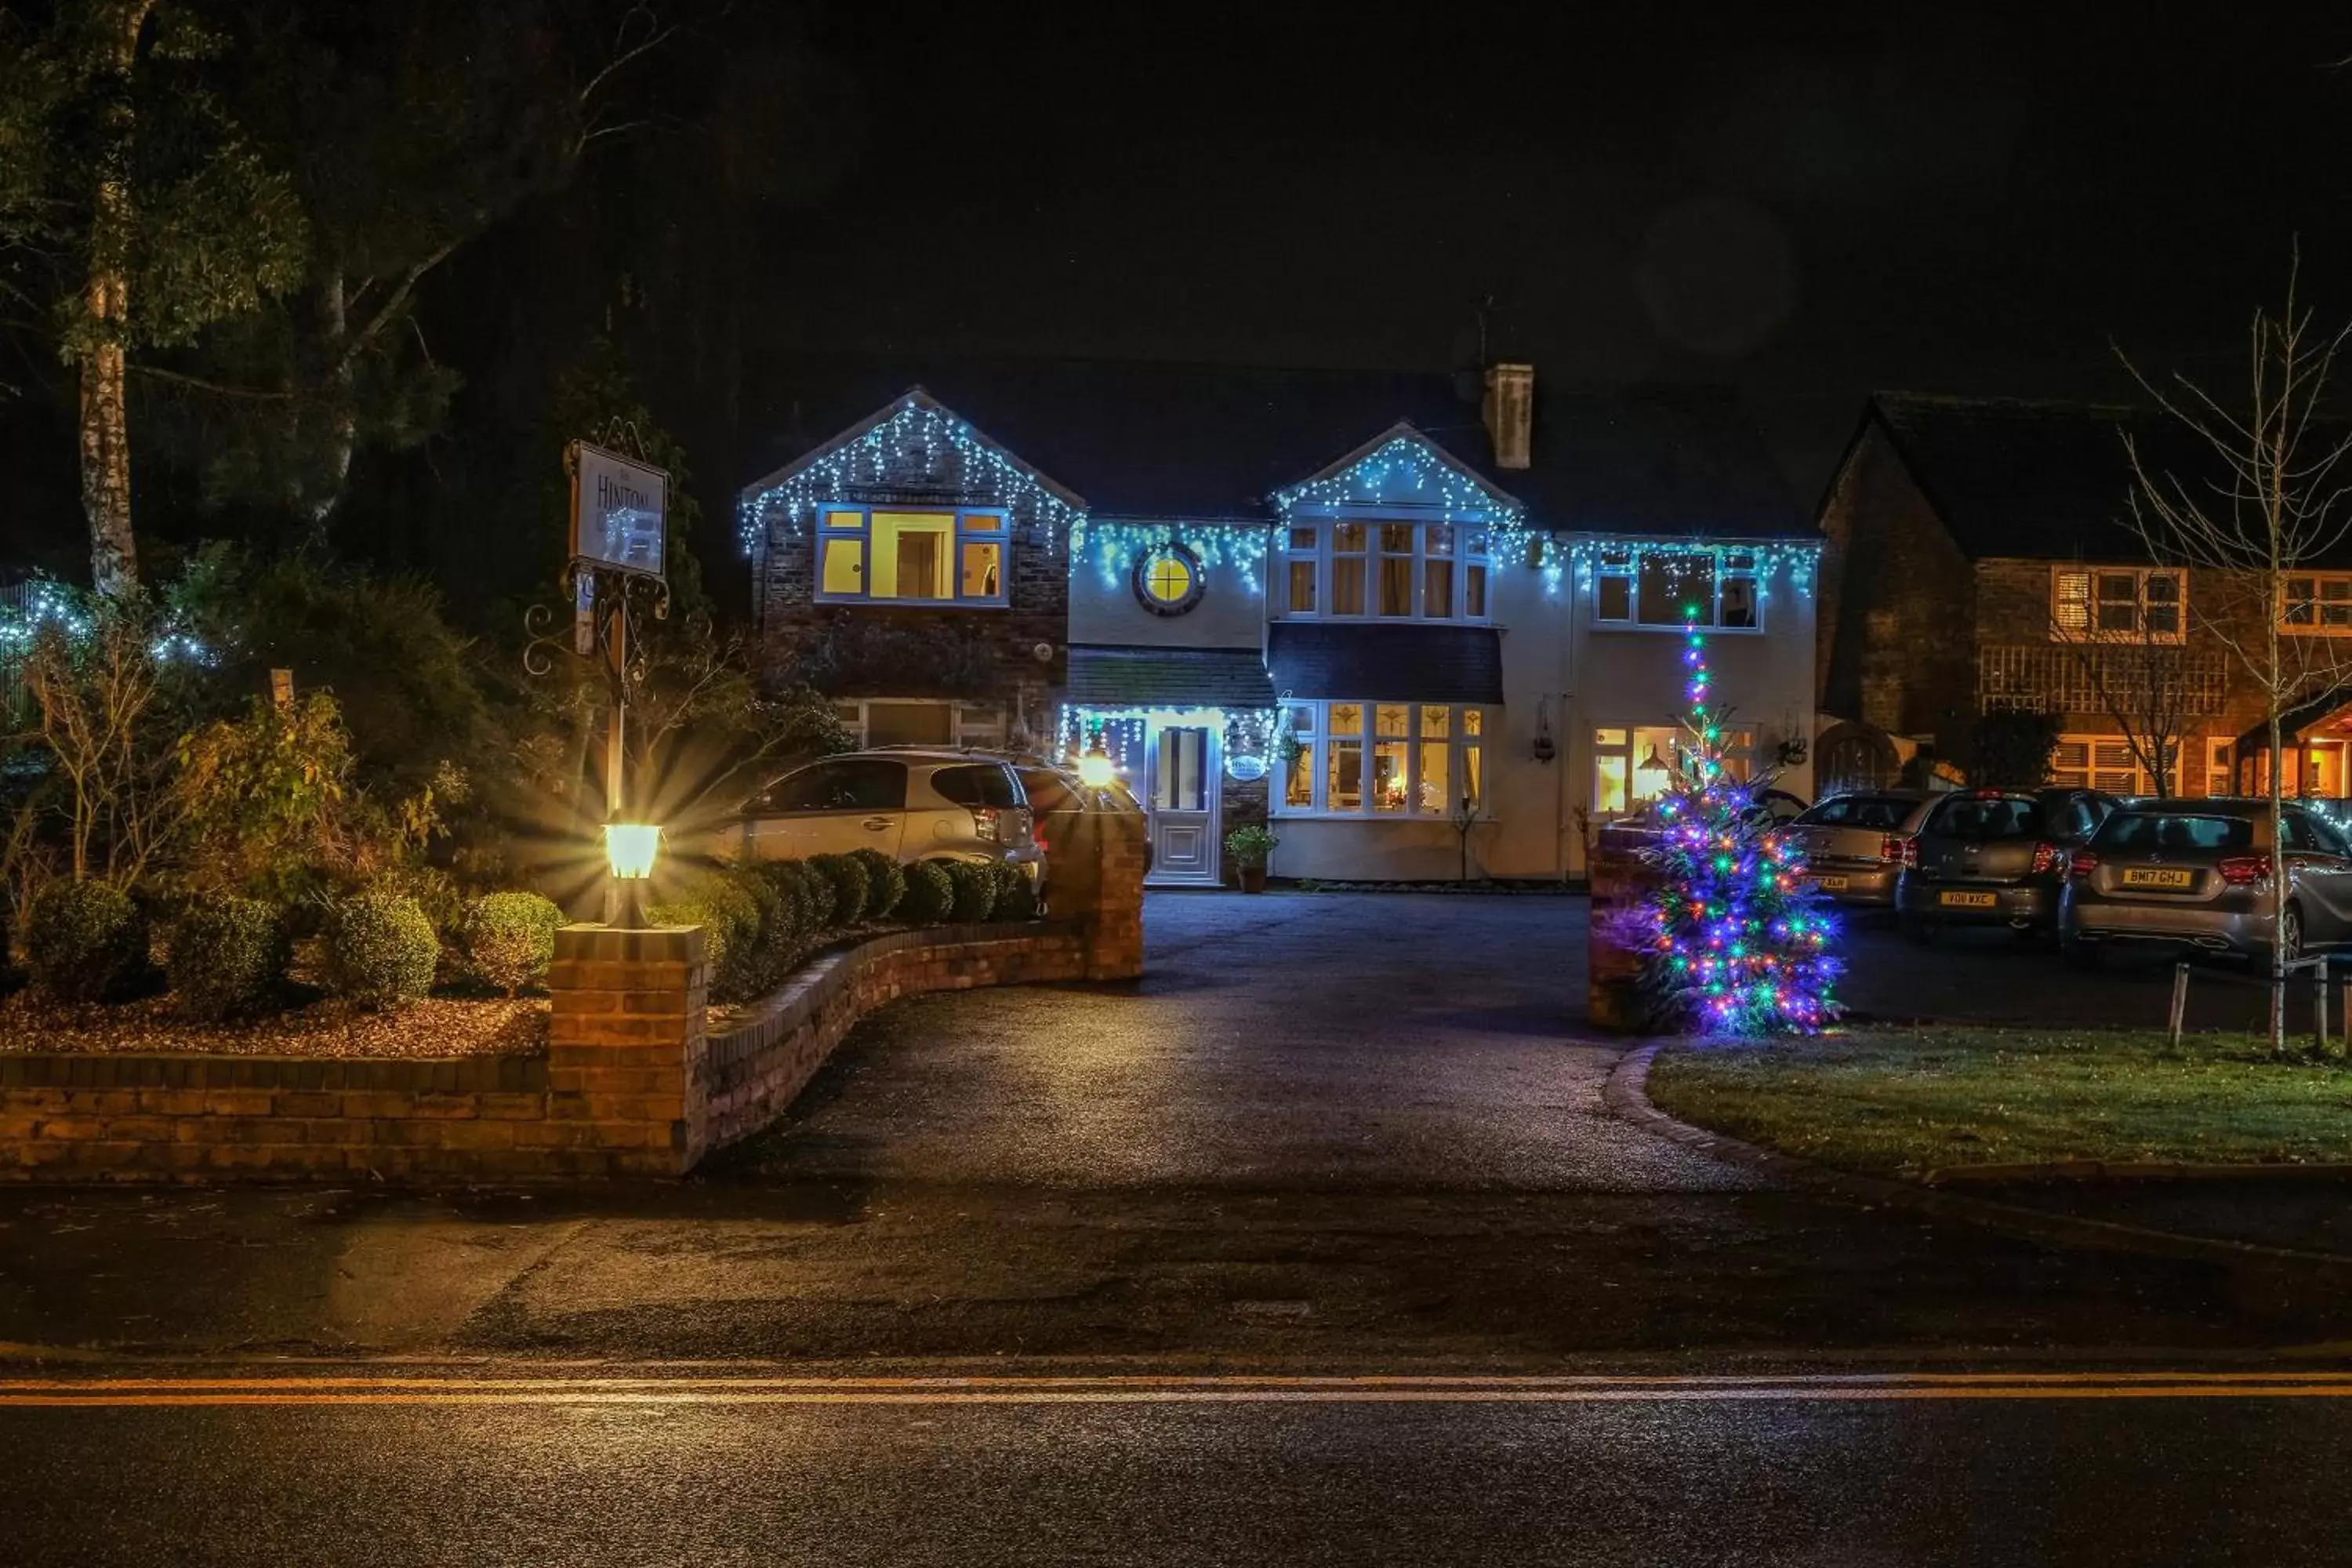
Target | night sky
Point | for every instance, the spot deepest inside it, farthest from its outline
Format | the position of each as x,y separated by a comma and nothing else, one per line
1803,202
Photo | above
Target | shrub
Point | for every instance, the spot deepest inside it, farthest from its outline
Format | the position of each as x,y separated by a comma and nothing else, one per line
886,884
817,893
975,892
84,942
510,938
228,957
848,880
730,918
1016,895
779,928
379,950
930,894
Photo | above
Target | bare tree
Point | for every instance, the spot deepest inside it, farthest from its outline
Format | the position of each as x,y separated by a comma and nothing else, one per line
2145,680
2263,502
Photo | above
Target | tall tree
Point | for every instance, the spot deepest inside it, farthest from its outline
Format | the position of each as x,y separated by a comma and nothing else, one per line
134,213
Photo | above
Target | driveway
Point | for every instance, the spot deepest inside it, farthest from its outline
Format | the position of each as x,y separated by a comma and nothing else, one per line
1364,1042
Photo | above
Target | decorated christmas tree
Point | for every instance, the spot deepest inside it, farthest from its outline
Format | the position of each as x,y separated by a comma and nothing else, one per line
1739,937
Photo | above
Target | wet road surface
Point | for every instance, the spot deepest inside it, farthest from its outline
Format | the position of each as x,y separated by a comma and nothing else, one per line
1905,1473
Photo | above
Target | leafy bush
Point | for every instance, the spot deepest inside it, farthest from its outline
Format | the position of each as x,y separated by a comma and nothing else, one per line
84,942
379,950
730,918
849,886
1016,895
510,938
886,884
816,891
930,894
975,892
779,929
1248,846
228,956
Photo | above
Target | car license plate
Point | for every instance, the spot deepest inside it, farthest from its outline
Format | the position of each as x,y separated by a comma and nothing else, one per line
2155,877
1966,900
1830,884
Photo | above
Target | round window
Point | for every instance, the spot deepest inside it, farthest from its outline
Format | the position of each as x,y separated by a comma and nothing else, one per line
1168,580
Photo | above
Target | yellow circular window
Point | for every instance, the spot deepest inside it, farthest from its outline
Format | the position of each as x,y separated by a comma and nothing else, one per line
1168,580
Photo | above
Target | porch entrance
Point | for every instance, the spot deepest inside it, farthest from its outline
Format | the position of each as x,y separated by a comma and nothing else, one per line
1182,768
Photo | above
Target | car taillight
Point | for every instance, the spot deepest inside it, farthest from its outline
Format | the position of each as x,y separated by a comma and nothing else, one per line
1897,850
2082,863
2239,869
2045,857
985,821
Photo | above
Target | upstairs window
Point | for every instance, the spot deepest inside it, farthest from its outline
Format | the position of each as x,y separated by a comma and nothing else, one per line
911,557
1386,570
2319,604
1658,588
2117,604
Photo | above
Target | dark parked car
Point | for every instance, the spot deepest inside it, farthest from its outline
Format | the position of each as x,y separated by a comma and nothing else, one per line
2203,874
1994,858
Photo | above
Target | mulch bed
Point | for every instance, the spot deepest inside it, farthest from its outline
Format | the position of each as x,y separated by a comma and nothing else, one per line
434,1027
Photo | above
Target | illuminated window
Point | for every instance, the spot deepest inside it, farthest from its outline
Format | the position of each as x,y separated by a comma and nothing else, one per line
1384,759
912,557
2320,604
1633,767
2119,604
1168,580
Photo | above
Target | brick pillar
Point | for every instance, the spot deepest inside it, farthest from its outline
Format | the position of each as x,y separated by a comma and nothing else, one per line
1114,927
625,1051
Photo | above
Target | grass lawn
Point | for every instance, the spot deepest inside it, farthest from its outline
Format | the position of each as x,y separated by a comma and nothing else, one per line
1905,1101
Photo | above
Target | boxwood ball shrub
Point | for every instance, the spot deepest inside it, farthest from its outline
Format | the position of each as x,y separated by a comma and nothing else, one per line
930,894
228,957
84,942
730,918
778,931
975,892
379,950
848,880
817,892
1016,895
886,884
509,939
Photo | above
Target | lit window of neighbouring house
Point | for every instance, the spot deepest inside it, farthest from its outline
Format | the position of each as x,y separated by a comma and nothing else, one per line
912,557
1385,568
1633,765
1384,759
2318,605
2117,604
1658,589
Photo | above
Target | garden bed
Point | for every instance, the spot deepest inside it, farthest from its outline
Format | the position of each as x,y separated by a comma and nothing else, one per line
434,1027
1907,1101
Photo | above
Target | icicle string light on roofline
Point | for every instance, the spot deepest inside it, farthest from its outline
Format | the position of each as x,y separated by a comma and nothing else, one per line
871,461
1800,557
1407,471
1116,547
1245,733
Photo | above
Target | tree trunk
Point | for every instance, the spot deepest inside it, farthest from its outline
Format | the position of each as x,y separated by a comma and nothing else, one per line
2279,879
105,416
342,432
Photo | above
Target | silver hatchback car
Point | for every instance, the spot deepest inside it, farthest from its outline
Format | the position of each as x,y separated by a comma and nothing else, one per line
910,805
1855,844
2203,874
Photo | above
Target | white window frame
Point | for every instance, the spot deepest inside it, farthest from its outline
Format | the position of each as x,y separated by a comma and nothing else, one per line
1309,540
1308,724
2106,762
1739,760
1621,563
2076,594
968,723
2324,594
962,531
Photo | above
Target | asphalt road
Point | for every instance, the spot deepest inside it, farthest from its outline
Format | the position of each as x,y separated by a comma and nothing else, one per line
1905,1473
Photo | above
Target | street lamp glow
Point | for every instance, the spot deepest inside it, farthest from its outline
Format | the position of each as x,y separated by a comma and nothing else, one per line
1095,770
629,849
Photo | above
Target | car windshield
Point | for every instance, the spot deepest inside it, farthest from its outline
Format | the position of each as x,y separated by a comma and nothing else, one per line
1877,811
1998,818
2153,832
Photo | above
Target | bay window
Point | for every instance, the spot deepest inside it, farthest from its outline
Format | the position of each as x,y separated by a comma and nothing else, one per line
1386,569
1633,587
879,555
1382,759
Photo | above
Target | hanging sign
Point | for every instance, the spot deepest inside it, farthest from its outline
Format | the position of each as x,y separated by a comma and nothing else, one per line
619,511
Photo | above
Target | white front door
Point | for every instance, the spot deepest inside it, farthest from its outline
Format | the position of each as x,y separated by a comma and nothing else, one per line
1182,765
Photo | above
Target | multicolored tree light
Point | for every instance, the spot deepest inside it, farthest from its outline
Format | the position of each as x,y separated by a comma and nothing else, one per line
1740,939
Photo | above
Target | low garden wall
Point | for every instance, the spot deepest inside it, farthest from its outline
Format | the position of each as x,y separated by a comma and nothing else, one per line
633,1084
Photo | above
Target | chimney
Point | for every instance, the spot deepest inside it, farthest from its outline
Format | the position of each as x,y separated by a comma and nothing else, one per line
1509,411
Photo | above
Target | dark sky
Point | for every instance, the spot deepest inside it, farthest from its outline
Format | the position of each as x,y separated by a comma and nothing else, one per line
1804,201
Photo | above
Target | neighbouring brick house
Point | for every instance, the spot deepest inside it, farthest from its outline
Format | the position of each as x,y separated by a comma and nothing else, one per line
1980,557
1424,623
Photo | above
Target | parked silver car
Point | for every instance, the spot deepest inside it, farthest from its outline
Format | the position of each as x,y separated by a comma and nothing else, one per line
2203,874
911,804
1855,843
1994,857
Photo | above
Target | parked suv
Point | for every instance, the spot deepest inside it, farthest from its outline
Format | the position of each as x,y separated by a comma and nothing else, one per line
1853,843
2202,873
910,805
1994,857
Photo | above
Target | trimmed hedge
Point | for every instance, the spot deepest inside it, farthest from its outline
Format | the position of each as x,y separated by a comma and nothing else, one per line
509,939
84,942
1016,895
228,957
930,894
975,892
379,950
885,883
779,930
823,894
849,886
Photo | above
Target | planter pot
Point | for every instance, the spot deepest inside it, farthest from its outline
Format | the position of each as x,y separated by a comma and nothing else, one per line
1252,878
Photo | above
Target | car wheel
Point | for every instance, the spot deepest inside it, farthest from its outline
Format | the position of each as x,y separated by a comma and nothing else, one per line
2290,935
2080,954
1916,930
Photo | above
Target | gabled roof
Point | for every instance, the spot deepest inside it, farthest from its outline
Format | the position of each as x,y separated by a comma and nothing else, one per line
1401,431
917,400
1156,440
